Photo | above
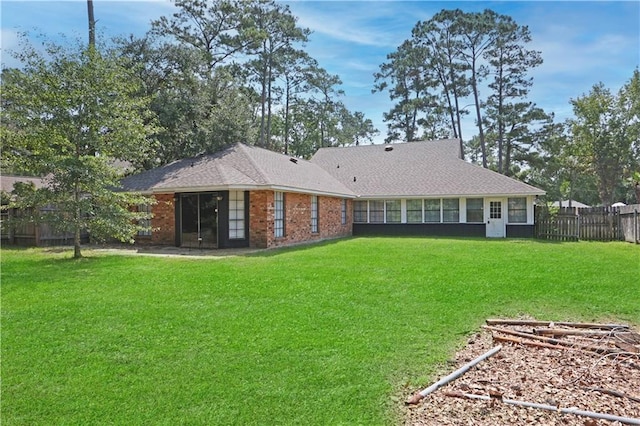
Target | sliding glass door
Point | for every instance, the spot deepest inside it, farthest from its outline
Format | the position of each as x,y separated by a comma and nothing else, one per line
199,220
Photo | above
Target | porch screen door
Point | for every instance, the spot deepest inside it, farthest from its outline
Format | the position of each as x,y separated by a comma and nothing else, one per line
495,222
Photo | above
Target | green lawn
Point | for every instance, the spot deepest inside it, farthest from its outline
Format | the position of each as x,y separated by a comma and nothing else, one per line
326,334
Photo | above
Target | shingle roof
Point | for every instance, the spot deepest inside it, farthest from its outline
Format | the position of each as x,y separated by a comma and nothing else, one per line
238,167
415,169
7,182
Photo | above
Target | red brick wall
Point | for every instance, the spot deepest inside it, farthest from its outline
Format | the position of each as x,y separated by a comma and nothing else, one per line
261,212
297,219
163,221
259,227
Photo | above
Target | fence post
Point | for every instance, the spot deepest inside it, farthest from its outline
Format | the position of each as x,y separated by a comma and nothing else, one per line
635,226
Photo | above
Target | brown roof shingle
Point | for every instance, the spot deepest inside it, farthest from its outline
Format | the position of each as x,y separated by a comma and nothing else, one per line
415,169
239,166
8,182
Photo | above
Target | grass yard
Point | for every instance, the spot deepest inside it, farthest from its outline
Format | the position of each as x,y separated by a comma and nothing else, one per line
325,334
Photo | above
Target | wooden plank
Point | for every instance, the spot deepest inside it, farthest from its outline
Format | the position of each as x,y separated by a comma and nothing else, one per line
596,349
535,323
565,332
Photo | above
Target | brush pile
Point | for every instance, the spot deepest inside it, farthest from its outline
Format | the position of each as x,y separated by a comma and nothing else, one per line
563,372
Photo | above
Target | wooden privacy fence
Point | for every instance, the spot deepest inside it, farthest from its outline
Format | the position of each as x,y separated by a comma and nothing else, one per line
589,223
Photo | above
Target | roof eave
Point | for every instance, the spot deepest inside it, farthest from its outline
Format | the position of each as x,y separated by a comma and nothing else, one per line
484,195
215,188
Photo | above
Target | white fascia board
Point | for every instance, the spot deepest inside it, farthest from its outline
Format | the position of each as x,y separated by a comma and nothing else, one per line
189,189
308,191
249,188
427,196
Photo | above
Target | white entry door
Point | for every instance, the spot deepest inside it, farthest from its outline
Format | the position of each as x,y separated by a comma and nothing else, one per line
495,219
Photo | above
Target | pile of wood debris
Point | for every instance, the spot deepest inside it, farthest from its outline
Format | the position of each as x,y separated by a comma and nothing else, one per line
537,372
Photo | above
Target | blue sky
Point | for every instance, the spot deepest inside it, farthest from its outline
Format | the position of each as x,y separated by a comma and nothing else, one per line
582,43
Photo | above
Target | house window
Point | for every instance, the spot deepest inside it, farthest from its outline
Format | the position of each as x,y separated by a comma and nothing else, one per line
393,211
278,214
236,215
146,222
475,210
414,211
517,210
360,211
432,210
376,211
343,211
314,214
450,210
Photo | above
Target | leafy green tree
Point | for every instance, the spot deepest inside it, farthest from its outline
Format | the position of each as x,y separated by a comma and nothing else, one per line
511,140
605,135
297,69
406,79
508,114
444,65
439,38
354,128
217,30
553,166
304,131
324,94
69,114
217,71
279,33
196,114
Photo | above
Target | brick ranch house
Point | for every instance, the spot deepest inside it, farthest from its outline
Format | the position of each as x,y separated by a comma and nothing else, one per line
245,196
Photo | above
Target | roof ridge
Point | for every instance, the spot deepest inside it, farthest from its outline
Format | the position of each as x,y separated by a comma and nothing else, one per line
254,163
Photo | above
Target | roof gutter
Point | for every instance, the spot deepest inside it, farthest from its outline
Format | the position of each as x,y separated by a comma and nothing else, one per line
192,189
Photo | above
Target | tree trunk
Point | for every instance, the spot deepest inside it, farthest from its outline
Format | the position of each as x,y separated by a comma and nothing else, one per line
92,24
476,99
77,254
269,102
286,121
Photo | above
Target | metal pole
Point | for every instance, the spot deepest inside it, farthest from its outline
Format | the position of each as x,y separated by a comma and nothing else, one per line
572,410
459,372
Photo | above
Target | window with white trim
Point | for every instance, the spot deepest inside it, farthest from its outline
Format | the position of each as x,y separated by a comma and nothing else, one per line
376,211
475,210
314,214
146,222
432,210
343,211
450,210
360,211
517,210
236,215
414,211
278,214
393,211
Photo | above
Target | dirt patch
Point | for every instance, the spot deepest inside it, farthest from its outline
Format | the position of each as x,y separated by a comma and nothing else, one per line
596,372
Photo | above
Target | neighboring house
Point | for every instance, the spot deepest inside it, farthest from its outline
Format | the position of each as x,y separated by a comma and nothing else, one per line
26,233
243,196
246,196
425,188
569,203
